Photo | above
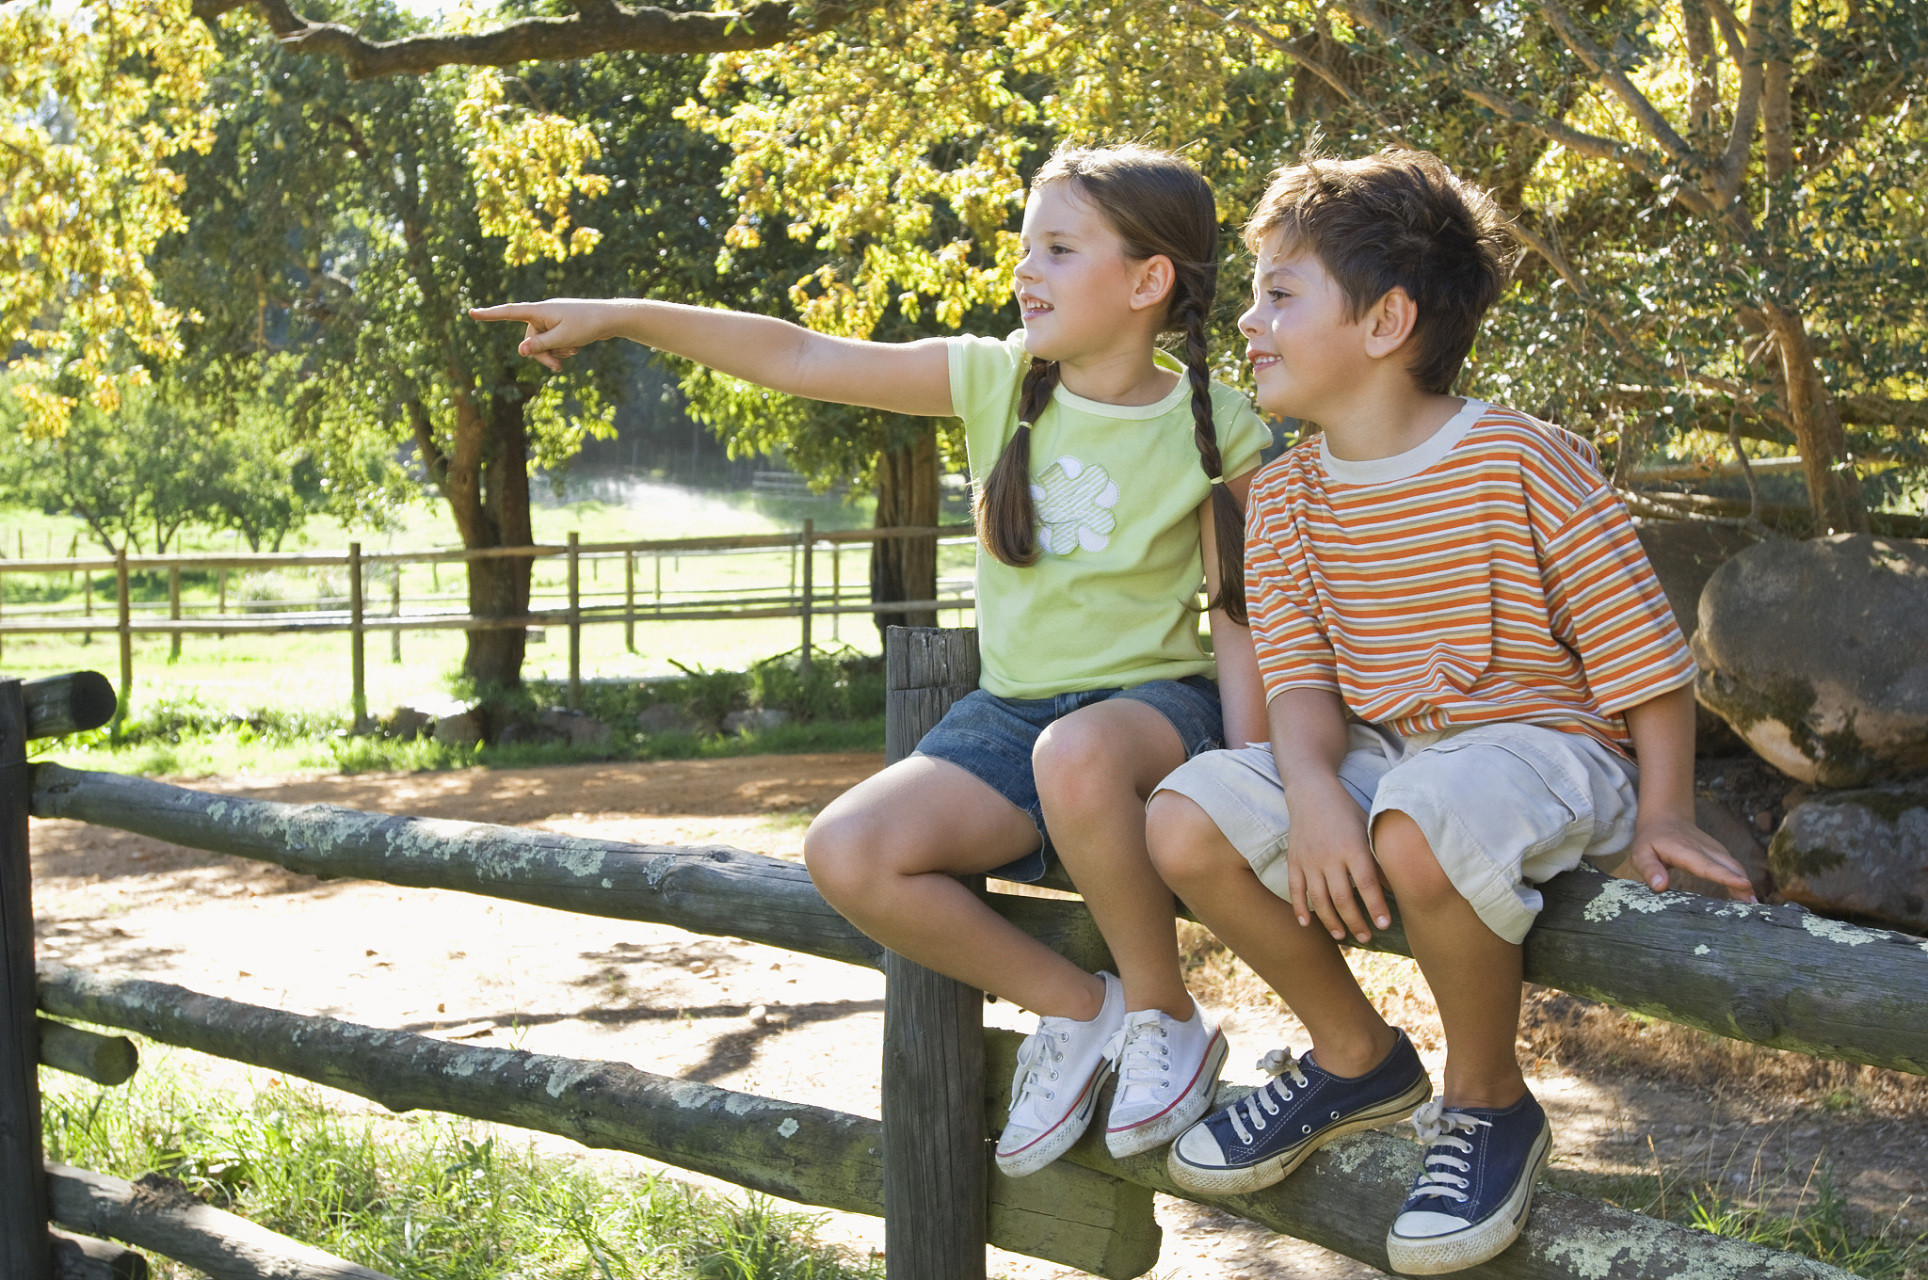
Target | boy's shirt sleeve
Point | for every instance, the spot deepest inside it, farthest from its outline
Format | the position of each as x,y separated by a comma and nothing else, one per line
1608,607
1293,649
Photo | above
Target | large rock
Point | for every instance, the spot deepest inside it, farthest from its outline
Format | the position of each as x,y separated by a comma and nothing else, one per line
1861,853
1817,653
574,727
1685,554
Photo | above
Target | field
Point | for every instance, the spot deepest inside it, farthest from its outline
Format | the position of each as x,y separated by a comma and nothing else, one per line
247,673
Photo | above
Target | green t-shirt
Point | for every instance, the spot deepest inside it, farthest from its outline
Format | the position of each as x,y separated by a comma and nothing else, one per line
1112,598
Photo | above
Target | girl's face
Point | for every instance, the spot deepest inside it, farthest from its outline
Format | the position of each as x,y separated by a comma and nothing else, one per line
1078,292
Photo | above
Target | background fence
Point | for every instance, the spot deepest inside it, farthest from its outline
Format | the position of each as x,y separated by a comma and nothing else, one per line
1778,976
809,595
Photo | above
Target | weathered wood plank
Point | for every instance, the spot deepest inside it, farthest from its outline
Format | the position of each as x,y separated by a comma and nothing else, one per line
85,1258
1347,1194
106,1060
1778,976
178,1226
812,1155
67,703
935,1169
25,1253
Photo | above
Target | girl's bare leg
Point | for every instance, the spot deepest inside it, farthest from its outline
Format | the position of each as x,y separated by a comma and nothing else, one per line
1094,768
885,854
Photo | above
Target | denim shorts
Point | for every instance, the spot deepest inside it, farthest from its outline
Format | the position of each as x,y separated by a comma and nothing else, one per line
991,739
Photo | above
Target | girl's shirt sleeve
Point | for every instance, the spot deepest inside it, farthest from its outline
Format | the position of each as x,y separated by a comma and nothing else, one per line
1242,434
985,373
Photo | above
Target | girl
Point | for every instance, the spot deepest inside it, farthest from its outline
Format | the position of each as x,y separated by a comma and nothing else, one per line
1094,686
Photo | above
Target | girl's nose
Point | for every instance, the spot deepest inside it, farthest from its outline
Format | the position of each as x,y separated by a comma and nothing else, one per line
1248,323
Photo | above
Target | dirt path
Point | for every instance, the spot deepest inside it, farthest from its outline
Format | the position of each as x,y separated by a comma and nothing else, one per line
1629,1101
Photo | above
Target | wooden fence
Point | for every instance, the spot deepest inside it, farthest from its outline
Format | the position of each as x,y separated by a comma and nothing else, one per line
1770,975
804,598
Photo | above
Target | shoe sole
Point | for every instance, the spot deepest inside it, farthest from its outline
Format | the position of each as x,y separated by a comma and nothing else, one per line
1180,1116
1436,1255
1273,1169
1059,1138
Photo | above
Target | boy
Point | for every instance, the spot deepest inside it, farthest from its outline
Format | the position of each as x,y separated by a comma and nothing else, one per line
1463,650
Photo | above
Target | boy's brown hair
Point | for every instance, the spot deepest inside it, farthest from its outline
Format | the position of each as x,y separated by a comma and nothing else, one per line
1397,220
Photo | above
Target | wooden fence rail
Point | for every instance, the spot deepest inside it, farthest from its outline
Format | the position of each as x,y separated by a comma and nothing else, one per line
802,599
1750,972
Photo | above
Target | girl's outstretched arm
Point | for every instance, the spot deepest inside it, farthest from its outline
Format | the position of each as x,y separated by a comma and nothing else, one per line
908,377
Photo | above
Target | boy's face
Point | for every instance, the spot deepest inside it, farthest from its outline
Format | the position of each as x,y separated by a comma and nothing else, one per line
1307,354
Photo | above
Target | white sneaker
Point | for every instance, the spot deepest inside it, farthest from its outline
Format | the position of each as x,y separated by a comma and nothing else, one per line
1167,1071
1061,1067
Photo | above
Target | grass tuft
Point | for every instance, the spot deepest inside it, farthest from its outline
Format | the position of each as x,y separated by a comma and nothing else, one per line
418,1196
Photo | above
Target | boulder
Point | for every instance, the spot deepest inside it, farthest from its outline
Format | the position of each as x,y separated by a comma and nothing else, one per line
665,717
755,720
573,727
1685,554
1861,853
1813,651
407,723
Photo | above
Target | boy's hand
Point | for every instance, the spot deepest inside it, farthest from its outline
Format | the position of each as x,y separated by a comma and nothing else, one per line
1672,841
558,328
1330,869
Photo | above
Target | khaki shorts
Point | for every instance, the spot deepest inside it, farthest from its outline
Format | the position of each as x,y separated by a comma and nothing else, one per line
1504,806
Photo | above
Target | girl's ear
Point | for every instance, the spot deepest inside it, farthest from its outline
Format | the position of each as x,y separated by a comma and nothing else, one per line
1389,322
1154,284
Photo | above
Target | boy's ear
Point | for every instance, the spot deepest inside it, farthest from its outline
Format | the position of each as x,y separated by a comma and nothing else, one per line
1155,277
1389,322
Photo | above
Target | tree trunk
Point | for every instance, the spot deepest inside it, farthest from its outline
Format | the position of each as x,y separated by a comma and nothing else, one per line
906,568
1834,490
500,587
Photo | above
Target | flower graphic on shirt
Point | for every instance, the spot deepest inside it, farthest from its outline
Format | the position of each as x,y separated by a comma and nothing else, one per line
1074,504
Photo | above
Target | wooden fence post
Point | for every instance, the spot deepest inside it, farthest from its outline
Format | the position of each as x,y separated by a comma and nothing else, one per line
126,629
25,1249
809,559
629,601
936,1166
395,611
357,652
174,611
575,620
87,587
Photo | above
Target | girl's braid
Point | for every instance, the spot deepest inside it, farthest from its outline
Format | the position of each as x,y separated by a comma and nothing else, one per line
1228,521
1007,518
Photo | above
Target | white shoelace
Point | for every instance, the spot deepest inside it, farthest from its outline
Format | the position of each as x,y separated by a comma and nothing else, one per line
1038,1059
1444,1172
1143,1062
1264,1101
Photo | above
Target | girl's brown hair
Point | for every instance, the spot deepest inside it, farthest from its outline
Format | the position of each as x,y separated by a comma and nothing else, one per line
1158,205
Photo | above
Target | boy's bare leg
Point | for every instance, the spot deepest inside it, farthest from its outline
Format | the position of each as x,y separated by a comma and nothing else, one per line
1302,964
1094,769
1473,972
885,854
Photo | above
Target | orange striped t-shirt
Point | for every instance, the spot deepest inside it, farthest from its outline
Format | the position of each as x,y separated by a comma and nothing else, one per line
1490,574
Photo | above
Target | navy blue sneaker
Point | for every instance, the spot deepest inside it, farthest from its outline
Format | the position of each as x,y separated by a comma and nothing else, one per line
1471,1198
1267,1134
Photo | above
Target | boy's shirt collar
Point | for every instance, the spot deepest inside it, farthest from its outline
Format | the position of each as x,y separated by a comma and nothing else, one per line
1403,466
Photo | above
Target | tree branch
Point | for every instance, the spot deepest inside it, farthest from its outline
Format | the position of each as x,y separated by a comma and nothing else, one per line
598,26
1593,146
1730,31
1601,63
1292,50
1747,107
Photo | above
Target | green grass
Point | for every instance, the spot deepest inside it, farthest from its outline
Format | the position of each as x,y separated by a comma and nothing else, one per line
1817,1223
838,706
417,1196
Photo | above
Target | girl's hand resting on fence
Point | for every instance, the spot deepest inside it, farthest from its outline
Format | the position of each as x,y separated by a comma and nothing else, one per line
558,327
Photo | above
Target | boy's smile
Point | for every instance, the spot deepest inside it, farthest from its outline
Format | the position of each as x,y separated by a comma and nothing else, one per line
1304,346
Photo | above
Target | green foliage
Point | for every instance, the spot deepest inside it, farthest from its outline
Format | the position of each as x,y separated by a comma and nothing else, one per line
419,1195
